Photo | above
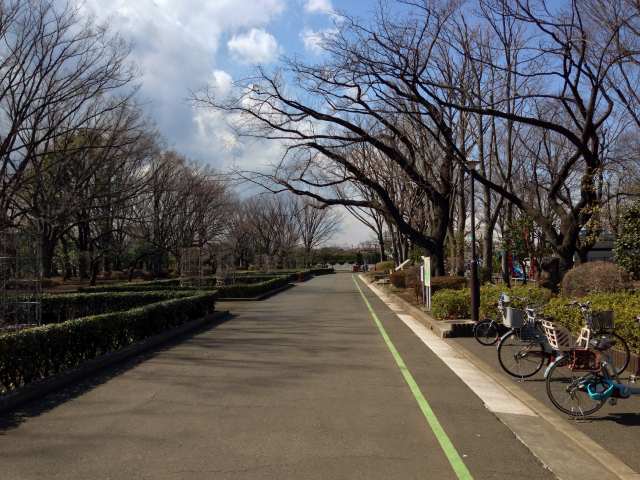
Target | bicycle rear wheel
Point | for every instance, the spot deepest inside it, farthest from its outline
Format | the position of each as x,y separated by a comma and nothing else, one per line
521,357
620,354
567,390
486,332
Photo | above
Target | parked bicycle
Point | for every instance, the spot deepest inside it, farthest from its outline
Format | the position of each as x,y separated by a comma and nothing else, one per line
524,349
488,331
581,380
602,327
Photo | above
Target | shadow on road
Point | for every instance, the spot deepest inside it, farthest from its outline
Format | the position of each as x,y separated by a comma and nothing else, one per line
11,420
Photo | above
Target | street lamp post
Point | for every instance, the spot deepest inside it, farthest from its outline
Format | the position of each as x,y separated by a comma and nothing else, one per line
475,281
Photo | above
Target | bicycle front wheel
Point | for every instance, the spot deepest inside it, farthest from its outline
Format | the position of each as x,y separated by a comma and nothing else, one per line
520,357
486,332
567,390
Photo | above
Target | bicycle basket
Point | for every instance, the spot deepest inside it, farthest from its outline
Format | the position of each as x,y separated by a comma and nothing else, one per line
584,360
602,321
515,318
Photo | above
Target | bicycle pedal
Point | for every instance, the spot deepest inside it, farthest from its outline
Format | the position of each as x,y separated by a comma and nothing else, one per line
613,401
633,378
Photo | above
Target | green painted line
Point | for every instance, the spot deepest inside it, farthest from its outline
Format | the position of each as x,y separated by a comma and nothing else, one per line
449,450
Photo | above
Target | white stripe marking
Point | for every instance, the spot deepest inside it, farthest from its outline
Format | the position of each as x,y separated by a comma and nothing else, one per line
495,397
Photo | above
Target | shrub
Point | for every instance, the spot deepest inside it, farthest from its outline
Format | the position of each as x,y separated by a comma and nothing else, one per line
593,277
627,245
252,290
385,266
398,279
449,283
407,278
625,306
521,296
451,304
322,271
63,307
37,353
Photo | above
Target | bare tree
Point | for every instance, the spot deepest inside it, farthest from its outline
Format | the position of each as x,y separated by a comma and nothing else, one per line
55,72
316,224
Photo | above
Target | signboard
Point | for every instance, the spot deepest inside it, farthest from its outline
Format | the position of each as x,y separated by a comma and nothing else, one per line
425,275
427,270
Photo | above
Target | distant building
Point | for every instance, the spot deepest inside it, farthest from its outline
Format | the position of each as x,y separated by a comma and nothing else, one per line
603,249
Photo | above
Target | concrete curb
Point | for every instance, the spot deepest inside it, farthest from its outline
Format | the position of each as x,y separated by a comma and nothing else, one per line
45,386
575,439
263,296
458,328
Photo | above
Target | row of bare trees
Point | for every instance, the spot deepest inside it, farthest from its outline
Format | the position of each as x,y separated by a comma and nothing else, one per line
534,99
276,231
84,170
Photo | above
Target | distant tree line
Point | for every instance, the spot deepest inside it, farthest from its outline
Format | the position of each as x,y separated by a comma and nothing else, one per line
85,171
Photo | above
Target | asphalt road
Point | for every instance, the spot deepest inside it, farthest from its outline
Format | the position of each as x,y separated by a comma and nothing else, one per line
617,428
300,386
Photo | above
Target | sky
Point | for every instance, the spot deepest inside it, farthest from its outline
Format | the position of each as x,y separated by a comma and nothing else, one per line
181,46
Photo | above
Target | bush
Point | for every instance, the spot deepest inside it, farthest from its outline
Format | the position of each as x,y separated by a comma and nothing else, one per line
521,297
36,353
625,306
407,278
385,266
627,245
456,304
252,290
451,304
322,271
446,282
63,307
593,277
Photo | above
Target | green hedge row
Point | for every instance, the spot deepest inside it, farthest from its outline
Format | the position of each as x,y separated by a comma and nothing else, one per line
37,353
174,284
456,304
251,290
63,307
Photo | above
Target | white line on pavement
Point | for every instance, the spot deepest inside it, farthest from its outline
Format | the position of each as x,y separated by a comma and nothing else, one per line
496,398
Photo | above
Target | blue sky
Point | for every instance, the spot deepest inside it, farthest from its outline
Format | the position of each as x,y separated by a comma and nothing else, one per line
184,45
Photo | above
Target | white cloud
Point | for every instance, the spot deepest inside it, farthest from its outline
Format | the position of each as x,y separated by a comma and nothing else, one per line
255,46
176,45
319,6
314,39
221,83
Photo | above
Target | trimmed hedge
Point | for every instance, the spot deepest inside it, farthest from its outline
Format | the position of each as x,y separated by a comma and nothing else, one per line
63,307
322,271
447,282
36,353
451,304
208,283
385,266
456,304
625,306
251,290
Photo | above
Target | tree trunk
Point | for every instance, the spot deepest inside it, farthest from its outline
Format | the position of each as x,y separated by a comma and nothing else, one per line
48,251
383,255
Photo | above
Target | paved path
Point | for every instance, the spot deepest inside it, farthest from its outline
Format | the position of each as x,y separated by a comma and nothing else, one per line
300,386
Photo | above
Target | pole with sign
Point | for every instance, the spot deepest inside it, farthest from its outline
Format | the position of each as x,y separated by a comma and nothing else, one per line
425,271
